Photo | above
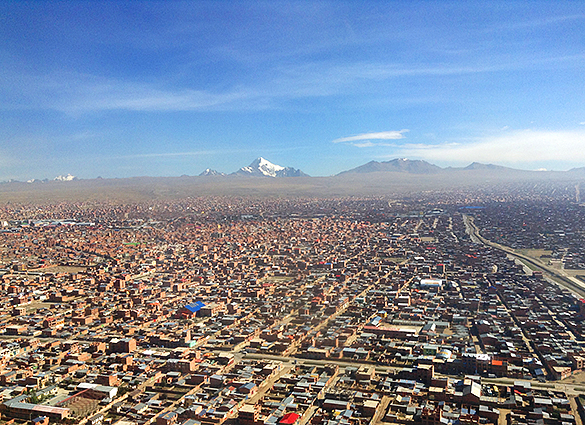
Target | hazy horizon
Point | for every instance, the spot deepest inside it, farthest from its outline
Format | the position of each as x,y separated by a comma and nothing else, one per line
222,173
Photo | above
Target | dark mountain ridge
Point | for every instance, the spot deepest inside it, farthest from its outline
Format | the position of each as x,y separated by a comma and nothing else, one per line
401,165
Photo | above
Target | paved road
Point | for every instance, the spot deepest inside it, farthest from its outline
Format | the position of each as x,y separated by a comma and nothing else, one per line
567,388
575,410
559,277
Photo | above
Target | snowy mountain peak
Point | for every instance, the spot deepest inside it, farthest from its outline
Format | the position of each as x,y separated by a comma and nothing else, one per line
266,167
210,172
263,167
66,178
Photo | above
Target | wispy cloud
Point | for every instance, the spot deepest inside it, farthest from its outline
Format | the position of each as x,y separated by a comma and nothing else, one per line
366,144
532,23
365,140
144,98
76,92
73,92
515,147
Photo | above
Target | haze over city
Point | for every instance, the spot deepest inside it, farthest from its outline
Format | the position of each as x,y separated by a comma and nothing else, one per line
122,89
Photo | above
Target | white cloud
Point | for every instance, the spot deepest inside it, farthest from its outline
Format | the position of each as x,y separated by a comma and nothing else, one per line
518,147
384,135
366,144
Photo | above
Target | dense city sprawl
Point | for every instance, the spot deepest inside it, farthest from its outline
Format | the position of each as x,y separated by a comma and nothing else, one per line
293,312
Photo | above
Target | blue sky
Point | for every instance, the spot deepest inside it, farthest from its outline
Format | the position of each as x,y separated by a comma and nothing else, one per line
120,89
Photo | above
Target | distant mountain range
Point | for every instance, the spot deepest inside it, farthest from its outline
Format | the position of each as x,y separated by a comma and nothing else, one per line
260,167
408,166
262,178
67,178
210,172
400,165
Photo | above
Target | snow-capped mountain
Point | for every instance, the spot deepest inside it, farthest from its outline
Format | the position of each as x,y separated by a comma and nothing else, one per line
210,172
66,178
262,167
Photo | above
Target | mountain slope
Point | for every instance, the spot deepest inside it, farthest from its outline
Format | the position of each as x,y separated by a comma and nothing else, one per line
480,166
401,165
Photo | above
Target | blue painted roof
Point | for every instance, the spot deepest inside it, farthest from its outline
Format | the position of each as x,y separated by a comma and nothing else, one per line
195,307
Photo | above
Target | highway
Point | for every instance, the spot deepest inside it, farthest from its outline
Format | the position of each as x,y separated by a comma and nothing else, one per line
558,276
